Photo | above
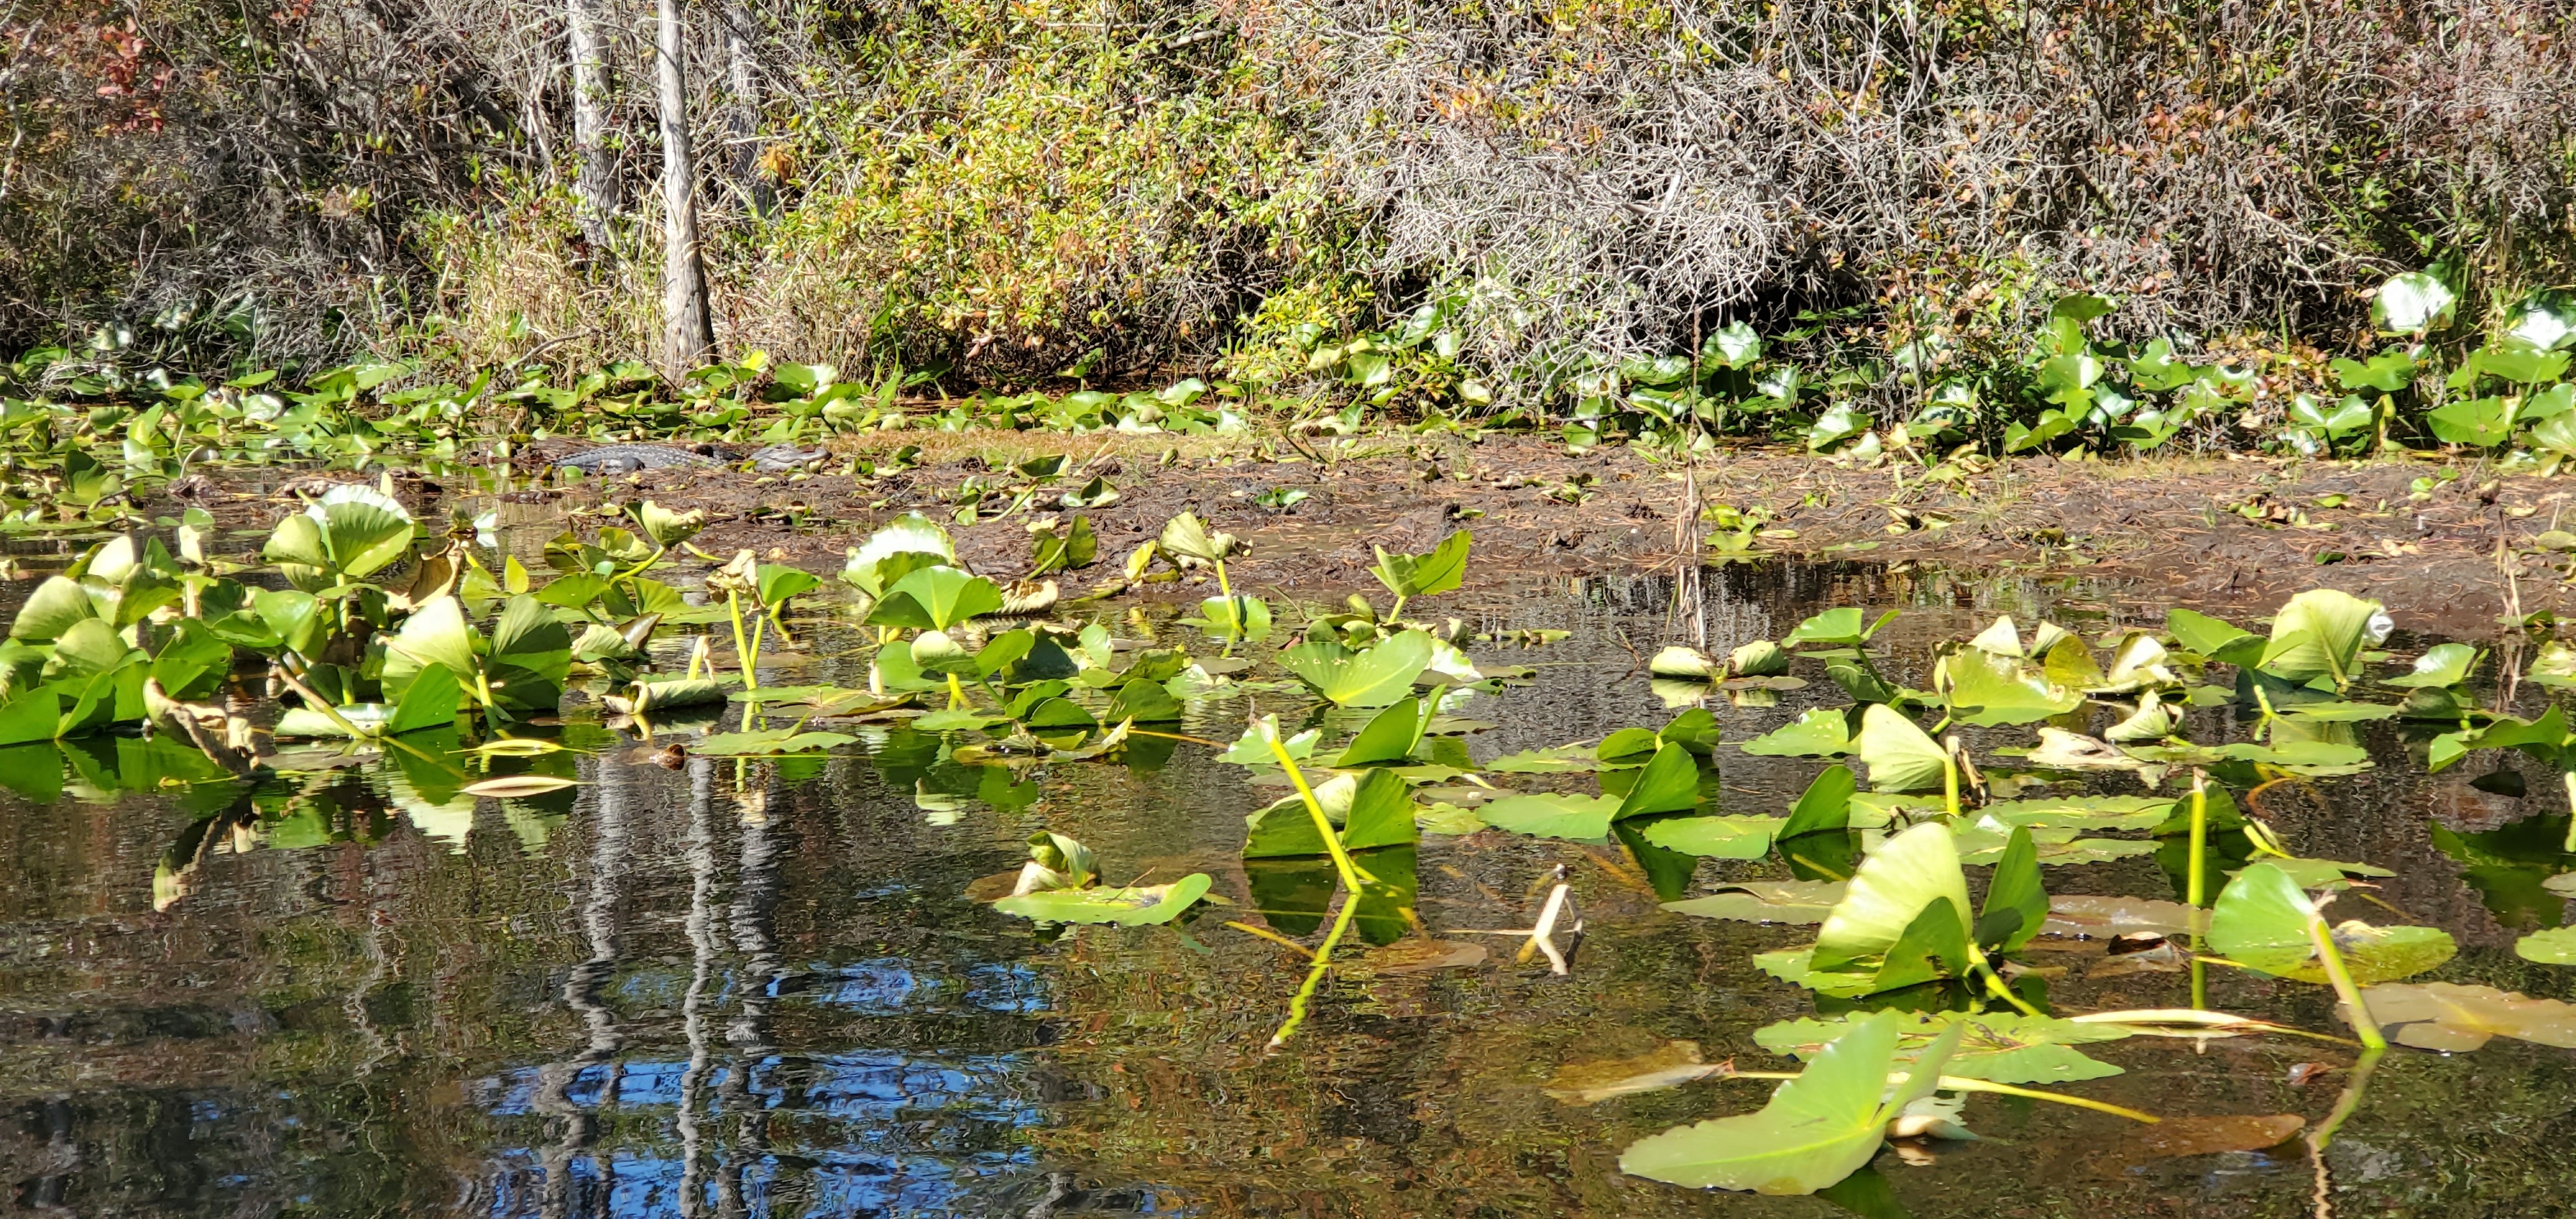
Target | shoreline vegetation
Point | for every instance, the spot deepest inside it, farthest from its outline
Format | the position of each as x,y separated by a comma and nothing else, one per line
2053,230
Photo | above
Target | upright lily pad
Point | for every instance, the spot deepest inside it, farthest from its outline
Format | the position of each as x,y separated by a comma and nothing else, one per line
1901,757
1817,1129
1825,806
1986,689
1390,735
2317,638
1668,784
1372,678
1895,883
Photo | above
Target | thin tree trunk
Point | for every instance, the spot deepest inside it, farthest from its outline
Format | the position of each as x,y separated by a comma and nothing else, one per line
742,66
688,334
595,189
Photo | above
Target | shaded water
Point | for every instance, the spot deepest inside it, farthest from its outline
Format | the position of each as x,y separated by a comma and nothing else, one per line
756,988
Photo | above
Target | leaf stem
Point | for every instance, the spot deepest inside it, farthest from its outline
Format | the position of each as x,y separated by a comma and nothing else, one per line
2196,885
741,650
1956,1083
1350,872
2362,1021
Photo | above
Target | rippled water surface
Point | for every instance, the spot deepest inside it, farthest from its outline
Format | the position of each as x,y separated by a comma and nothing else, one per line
757,988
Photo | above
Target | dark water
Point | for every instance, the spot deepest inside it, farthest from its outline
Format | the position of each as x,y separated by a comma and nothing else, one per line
752,988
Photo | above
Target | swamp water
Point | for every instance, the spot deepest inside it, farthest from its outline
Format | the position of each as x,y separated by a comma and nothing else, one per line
757,987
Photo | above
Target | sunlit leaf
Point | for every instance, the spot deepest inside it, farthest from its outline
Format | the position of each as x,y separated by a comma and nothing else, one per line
1817,1129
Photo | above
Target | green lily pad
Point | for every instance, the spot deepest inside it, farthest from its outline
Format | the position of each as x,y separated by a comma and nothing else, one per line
1819,733
2000,1047
1766,901
1552,815
1716,837
1133,906
1818,1128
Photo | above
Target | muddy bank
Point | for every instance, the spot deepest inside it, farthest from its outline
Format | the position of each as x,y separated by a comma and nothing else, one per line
2209,533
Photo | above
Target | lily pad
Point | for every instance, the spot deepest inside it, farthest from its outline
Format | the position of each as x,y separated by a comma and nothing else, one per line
1901,757
2556,946
1716,837
1371,678
767,742
1552,760
1766,901
1132,906
2002,1048
1819,733
1590,1083
2455,1019
1553,815
1818,1128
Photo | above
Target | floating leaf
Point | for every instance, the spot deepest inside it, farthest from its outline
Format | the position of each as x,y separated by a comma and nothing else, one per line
1552,760
2455,1019
2556,946
2095,917
1389,736
767,742
1819,733
1986,689
1766,901
1841,626
1668,784
1715,837
1817,1129
2318,636
935,599
1825,806
1999,1047
1590,1083
1132,906
1575,818
2263,919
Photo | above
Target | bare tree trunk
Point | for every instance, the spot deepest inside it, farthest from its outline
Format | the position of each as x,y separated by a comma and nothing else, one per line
595,189
743,67
688,334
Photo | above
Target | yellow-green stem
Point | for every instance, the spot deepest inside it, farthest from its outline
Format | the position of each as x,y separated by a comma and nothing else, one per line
2362,1021
1995,982
741,649
1350,872
2195,885
1961,1083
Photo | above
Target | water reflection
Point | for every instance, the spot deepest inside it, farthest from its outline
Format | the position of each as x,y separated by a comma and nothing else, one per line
746,989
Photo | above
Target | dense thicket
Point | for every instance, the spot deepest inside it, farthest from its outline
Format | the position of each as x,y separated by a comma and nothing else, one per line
1129,186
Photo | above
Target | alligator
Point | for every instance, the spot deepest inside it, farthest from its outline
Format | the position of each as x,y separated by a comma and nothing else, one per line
628,458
